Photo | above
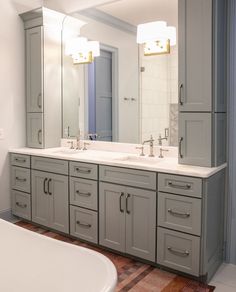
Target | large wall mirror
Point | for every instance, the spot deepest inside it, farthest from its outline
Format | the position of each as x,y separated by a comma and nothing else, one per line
120,94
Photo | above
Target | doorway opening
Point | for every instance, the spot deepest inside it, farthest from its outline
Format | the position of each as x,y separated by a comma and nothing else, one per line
102,96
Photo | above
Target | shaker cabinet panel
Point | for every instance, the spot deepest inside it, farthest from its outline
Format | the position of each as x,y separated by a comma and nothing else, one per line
195,139
112,216
35,137
141,223
195,55
50,200
58,203
40,198
34,78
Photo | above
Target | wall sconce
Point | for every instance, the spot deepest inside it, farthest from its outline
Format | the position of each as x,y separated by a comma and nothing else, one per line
157,37
82,51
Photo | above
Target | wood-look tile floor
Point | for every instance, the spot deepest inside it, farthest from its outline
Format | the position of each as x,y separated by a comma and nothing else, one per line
133,276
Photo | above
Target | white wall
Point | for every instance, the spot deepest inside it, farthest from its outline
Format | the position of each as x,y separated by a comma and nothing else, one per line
12,95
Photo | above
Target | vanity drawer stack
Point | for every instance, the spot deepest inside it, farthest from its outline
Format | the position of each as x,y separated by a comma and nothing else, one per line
179,222
21,185
84,201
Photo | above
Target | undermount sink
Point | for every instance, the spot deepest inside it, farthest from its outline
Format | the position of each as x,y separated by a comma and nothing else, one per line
68,151
140,159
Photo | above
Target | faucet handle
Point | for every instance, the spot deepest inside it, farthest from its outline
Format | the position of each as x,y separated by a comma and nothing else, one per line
71,144
85,145
161,152
142,150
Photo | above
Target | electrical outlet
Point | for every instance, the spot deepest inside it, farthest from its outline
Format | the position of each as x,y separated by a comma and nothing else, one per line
1,134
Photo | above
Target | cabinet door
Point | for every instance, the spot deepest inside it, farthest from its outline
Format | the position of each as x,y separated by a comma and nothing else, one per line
112,216
35,137
195,55
58,202
141,223
34,78
40,198
195,139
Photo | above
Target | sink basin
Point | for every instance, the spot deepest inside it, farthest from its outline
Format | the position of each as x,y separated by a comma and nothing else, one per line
68,151
140,159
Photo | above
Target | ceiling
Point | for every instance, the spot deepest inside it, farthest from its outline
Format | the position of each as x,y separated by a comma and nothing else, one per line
140,11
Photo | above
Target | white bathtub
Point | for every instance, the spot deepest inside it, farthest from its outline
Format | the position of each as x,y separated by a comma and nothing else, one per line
30,262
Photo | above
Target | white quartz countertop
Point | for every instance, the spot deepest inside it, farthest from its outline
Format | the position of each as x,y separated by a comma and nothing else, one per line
122,159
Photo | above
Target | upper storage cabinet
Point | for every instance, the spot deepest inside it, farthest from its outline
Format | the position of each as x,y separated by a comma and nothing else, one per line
202,51
34,74
202,82
43,76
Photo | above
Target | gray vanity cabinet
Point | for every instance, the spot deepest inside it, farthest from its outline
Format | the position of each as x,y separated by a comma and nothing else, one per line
127,220
202,84
35,134
202,139
43,79
195,55
50,200
34,78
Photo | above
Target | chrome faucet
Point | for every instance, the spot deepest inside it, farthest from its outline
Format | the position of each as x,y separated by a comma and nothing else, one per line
78,141
92,136
160,139
151,144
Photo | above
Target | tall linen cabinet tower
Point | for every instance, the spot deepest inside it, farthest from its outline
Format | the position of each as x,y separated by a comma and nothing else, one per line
43,77
202,82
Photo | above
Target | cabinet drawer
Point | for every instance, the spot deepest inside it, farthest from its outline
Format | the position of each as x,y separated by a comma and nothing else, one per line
21,205
20,179
83,193
51,165
20,160
182,185
178,251
84,170
179,213
83,224
129,177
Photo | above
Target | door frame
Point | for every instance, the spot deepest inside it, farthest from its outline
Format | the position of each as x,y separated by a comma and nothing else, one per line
115,92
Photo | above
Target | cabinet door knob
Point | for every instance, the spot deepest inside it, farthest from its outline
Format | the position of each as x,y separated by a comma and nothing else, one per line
84,224
179,252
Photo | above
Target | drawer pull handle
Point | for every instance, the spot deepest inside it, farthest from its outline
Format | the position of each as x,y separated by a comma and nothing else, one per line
183,253
121,196
21,179
84,224
44,186
178,214
183,187
39,101
20,160
180,147
49,181
180,94
86,171
39,137
23,206
127,201
83,194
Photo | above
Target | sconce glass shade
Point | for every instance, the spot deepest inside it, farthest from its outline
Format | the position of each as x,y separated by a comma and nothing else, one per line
156,31
82,50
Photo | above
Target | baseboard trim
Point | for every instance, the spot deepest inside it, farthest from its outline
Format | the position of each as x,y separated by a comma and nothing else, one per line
7,216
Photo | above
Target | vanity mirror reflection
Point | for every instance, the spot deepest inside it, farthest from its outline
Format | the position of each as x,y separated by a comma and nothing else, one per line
122,95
